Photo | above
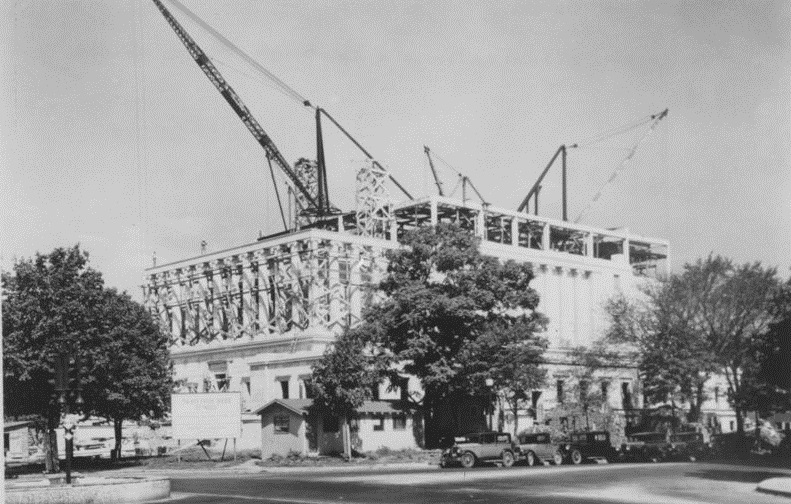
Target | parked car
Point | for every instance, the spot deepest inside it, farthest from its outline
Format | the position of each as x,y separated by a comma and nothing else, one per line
535,448
588,445
688,445
653,446
478,447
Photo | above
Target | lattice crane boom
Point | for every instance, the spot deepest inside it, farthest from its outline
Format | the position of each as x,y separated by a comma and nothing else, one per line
237,105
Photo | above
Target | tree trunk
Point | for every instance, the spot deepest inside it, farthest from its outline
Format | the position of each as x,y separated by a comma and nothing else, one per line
515,410
51,464
346,438
695,404
739,421
117,428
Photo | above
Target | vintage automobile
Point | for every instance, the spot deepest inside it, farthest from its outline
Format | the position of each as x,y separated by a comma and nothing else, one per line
538,448
648,446
583,446
478,447
688,446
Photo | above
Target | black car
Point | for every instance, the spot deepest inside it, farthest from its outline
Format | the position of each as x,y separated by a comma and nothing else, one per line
583,446
538,448
472,449
688,446
646,446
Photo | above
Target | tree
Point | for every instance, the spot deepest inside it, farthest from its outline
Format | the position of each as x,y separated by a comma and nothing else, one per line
131,377
511,355
659,332
702,321
443,302
56,303
735,308
344,378
766,377
49,306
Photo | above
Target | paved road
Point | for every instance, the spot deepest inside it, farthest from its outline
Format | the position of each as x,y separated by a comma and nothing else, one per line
666,483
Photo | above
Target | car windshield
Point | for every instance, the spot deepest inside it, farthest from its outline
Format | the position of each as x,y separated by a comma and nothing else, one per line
649,436
686,436
534,438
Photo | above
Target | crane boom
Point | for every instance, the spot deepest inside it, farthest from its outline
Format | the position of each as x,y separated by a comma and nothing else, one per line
433,171
236,104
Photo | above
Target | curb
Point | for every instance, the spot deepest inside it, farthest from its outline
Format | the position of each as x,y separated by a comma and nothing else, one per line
347,468
92,490
775,486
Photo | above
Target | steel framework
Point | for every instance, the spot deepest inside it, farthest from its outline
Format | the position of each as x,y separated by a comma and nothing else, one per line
307,283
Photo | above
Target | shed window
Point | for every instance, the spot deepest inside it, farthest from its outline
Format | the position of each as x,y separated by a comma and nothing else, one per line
399,422
281,424
379,424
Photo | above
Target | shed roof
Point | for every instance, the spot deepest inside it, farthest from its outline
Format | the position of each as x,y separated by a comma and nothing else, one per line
298,406
16,425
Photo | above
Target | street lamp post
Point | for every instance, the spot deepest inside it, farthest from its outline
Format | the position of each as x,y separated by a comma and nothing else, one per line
66,387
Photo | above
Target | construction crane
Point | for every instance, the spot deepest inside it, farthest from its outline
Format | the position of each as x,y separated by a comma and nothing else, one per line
562,152
433,170
464,180
537,186
318,204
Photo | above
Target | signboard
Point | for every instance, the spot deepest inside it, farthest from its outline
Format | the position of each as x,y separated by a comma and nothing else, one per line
206,416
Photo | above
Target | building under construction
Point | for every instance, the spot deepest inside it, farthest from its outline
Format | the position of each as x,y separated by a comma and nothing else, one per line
254,318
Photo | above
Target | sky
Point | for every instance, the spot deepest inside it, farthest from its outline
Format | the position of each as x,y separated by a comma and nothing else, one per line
111,136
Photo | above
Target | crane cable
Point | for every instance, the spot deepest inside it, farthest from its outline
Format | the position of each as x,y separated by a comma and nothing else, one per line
612,132
461,176
622,165
285,88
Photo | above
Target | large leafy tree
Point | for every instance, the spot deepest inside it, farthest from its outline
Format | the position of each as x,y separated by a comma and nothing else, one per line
130,378
445,311
766,374
702,321
56,303
735,307
49,306
658,330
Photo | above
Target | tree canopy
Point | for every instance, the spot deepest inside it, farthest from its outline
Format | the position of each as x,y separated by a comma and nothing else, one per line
692,325
453,317
56,303
131,377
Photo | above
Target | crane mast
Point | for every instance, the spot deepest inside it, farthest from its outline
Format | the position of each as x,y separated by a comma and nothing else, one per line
239,107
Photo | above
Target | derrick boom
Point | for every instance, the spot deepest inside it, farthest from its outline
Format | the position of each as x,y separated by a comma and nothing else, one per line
237,105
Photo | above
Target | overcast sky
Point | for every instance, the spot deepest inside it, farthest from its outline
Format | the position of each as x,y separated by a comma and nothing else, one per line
112,137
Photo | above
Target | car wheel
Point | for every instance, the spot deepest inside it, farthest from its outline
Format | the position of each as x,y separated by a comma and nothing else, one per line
508,458
531,459
576,457
467,460
558,458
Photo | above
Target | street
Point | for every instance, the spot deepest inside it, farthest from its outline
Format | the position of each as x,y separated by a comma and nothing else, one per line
671,483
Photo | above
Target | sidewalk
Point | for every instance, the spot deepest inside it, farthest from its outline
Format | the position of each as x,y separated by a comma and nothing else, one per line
776,486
